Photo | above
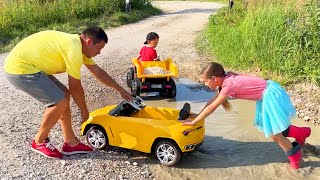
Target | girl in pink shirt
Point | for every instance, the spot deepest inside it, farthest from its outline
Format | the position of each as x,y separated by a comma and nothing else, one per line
274,109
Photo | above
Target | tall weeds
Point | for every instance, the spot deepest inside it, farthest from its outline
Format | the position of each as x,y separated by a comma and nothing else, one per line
19,18
274,36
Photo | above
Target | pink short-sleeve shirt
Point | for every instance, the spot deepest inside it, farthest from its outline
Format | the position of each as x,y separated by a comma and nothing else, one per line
243,87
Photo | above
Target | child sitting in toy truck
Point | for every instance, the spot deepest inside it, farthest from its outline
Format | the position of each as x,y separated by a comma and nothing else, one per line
147,52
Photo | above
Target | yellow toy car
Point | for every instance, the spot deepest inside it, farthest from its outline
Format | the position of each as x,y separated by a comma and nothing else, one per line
152,76
133,125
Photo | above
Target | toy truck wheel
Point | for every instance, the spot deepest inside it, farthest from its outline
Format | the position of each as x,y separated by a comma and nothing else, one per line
130,76
97,138
167,152
135,89
173,91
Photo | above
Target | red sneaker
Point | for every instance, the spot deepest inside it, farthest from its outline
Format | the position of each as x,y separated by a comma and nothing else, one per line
46,149
79,148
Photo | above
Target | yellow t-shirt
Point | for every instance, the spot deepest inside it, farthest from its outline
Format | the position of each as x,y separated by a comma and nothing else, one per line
51,52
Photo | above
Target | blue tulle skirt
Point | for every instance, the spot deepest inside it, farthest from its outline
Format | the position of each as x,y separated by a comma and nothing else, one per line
275,111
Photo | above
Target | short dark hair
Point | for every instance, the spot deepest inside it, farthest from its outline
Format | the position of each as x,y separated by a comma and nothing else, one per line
96,33
151,36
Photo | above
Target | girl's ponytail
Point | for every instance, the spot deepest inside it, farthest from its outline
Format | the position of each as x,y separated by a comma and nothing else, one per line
226,105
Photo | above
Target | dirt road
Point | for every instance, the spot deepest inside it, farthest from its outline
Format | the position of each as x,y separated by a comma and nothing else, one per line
20,115
233,148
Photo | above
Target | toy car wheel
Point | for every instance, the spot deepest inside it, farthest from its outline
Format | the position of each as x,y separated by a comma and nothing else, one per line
135,89
97,138
167,152
130,76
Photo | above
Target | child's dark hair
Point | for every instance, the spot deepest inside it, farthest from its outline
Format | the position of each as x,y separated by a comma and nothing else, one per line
96,33
217,70
151,36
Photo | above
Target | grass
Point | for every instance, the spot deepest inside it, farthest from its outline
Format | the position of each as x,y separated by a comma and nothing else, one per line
276,38
219,1
21,18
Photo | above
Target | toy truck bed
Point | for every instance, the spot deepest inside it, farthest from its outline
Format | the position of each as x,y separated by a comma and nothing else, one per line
167,65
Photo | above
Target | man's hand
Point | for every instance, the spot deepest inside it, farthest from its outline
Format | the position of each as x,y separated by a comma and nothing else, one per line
84,116
188,122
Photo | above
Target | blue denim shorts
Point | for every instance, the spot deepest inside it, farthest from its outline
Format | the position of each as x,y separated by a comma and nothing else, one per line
45,88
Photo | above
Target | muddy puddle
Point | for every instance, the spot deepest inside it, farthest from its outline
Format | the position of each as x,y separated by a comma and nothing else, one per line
233,148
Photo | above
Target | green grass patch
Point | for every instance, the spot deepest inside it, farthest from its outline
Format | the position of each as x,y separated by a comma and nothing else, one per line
219,1
276,37
20,18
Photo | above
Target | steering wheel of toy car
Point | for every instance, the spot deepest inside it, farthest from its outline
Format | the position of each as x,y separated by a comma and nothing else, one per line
137,103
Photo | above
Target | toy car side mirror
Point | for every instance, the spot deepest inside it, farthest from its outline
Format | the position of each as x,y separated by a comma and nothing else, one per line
137,103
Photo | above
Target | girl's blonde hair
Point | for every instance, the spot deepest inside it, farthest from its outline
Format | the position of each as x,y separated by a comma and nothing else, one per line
217,70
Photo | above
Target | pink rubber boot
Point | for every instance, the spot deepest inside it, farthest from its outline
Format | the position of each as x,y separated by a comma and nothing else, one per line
299,133
294,155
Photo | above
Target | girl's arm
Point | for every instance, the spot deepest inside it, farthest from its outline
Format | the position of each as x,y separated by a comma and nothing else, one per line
209,108
209,102
225,104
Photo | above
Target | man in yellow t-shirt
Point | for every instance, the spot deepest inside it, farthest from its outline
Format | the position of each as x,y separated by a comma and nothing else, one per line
30,67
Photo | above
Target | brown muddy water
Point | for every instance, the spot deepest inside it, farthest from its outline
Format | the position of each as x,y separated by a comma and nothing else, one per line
233,148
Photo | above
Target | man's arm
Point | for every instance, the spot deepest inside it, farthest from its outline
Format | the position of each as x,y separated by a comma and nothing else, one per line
77,94
104,77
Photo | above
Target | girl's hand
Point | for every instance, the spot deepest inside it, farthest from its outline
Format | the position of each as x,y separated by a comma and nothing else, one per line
188,122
